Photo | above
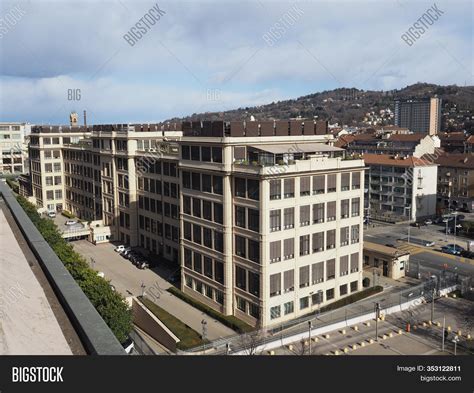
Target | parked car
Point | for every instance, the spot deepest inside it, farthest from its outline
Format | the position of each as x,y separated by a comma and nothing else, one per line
467,254
456,246
120,248
450,250
428,222
128,345
71,222
428,243
51,214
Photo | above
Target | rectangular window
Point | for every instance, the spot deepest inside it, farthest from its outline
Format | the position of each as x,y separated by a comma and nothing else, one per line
354,234
275,189
254,250
288,308
343,290
305,215
196,181
355,208
330,294
289,217
289,248
317,272
305,186
253,189
207,237
195,156
275,284
330,239
345,208
241,278
355,262
197,262
206,153
218,241
331,211
207,210
304,302
332,181
254,283
330,269
240,216
289,188
318,213
240,246
240,187
196,207
187,230
289,281
304,245
355,180
218,213
275,312
216,154
275,251
206,183
217,184
344,236
196,234
354,286
188,258
219,272
345,181
319,184
186,180
275,220
318,242
344,265
254,220
304,276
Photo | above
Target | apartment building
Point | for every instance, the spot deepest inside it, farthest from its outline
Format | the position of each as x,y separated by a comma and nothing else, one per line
265,218
271,220
455,182
419,115
14,154
47,164
400,188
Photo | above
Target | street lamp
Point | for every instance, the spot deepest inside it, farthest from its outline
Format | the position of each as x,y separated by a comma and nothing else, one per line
409,220
309,334
143,286
455,341
377,314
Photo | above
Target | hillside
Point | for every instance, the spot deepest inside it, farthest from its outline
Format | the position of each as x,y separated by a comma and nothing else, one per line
350,106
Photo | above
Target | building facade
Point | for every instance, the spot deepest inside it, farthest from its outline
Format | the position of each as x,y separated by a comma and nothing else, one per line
419,115
455,182
400,188
13,147
265,219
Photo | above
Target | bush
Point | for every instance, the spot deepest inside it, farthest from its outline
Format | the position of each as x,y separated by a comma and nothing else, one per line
67,214
13,185
227,320
366,282
111,306
468,228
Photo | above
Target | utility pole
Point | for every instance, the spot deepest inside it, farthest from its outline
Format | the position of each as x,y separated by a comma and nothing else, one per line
409,220
309,334
377,313
444,325
432,304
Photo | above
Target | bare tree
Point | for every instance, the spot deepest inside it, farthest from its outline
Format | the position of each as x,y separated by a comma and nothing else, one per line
250,342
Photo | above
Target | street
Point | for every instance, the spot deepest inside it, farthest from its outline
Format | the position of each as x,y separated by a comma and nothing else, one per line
128,280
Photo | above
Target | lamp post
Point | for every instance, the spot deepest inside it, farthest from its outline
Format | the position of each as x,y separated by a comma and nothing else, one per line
204,332
377,313
309,334
455,341
409,220
143,286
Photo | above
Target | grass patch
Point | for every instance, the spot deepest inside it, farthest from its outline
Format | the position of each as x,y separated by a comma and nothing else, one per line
227,320
352,298
188,336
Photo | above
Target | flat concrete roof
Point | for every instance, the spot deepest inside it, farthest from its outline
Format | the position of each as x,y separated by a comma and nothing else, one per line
297,148
380,248
28,325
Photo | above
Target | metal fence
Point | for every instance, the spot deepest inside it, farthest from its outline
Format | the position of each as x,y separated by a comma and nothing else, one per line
249,342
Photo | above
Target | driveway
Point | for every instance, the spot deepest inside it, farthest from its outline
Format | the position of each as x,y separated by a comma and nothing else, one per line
128,280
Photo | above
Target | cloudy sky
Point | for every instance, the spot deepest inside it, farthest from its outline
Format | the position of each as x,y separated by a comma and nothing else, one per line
216,55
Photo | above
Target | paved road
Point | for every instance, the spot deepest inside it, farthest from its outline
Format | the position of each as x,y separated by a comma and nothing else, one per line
127,279
428,257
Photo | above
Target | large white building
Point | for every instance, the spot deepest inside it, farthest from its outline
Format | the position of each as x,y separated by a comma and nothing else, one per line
13,147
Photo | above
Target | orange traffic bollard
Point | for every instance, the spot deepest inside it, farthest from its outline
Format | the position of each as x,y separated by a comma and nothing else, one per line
408,327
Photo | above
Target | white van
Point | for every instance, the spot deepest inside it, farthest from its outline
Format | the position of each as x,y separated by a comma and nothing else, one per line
51,214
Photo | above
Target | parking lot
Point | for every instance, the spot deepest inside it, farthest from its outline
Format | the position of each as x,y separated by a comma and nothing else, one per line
131,281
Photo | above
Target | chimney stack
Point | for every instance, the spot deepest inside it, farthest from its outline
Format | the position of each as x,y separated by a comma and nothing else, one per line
85,119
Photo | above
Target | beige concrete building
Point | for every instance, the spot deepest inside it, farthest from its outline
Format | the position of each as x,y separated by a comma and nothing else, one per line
389,261
264,218
13,148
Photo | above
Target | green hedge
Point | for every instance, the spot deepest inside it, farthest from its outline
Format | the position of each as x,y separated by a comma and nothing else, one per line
13,185
228,320
188,337
111,306
67,214
352,298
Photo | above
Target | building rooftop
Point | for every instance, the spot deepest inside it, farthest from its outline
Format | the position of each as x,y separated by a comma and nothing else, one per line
456,160
28,325
407,137
380,248
391,160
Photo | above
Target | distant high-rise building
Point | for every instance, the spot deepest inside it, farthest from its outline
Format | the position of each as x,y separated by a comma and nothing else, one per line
421,115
